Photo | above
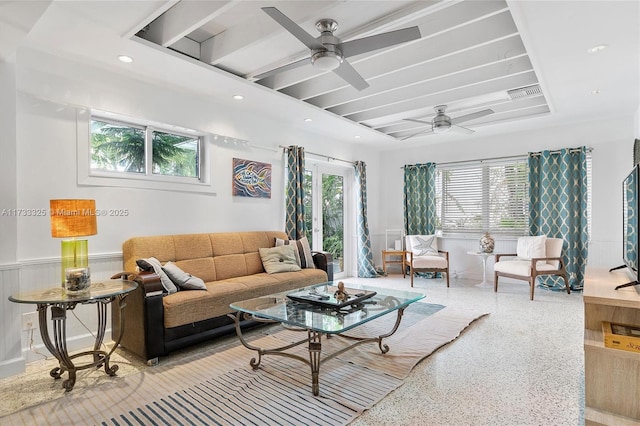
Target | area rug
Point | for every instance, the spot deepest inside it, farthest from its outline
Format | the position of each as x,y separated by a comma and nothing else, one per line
221,388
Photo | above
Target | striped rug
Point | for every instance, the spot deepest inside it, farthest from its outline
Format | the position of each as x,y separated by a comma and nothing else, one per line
220,388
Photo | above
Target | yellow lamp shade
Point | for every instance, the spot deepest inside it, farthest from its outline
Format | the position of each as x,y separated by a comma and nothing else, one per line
73,218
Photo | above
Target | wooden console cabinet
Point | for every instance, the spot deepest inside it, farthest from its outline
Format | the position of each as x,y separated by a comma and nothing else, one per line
612,376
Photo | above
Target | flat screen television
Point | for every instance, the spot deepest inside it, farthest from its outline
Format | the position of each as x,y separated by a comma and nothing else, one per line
630,212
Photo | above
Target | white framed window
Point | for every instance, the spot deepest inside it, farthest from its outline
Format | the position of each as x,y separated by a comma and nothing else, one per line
489,195
119,151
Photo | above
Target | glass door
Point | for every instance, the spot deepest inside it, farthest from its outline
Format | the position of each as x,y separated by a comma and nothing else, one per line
325,189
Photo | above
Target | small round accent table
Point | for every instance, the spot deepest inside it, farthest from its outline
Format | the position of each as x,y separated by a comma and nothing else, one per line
483,256
55,299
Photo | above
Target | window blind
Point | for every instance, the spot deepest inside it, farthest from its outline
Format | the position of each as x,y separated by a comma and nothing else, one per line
491,195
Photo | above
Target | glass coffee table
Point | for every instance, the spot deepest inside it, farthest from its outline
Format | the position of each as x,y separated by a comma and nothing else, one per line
317,312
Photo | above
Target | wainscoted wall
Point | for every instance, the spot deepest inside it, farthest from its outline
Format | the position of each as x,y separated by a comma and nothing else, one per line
11,359
17,346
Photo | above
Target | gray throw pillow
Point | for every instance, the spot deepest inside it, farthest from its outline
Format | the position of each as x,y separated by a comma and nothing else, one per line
167,284
279,259
183,279
303,251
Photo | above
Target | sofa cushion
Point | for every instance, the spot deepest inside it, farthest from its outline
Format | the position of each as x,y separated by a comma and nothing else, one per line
303,251
186,307
204,268
182,279
279,259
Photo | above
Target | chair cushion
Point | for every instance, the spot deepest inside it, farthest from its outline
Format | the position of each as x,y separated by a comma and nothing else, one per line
422,245
429,261
554,249
531,247
520,267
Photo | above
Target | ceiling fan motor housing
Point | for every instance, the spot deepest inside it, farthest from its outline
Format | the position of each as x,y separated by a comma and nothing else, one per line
441,123
330,57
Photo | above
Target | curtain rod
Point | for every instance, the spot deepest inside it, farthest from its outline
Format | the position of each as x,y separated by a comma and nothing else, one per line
328,157
503,158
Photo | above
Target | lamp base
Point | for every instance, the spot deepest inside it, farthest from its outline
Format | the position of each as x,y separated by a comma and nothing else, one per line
75,254
78,281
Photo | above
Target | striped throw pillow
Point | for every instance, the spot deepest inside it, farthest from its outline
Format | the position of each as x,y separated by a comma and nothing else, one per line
303,252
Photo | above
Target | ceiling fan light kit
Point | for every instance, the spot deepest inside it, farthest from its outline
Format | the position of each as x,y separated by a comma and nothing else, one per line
326,60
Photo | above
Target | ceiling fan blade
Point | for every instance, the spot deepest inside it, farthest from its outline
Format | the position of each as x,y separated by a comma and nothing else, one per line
459,129
379,41
282,19
291,66
471,116
417,121
351,76
428,131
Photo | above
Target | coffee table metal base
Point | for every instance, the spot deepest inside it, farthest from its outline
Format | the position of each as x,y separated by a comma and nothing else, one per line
314,341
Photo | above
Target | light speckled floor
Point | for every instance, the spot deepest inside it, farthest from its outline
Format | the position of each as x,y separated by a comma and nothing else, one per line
520,365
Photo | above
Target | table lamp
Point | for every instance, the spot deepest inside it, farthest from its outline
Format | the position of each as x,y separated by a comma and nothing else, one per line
71,219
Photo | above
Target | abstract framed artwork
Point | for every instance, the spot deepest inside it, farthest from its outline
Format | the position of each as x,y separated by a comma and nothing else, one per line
251,179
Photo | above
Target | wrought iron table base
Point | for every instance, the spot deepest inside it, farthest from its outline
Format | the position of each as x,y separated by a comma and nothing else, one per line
314,340
59,345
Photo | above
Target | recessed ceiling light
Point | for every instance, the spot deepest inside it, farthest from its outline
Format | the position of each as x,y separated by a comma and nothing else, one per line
595,92
308,120
238,97
126,59
598,48
357,136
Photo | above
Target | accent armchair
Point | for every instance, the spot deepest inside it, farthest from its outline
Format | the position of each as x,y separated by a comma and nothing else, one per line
536,256
423,255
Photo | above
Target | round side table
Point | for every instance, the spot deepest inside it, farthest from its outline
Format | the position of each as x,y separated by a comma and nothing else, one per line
58,302
483,256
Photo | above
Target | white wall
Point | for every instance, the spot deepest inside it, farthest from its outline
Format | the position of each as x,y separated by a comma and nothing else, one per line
39,164
612,159
47,152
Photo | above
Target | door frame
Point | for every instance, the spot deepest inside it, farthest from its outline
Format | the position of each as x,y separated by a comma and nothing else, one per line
318,168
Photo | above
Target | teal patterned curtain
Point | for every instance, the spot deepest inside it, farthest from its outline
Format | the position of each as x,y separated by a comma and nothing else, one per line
366,268
558,206
420,203
294,222
420,199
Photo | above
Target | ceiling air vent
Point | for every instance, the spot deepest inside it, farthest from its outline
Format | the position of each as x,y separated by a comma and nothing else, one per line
524,92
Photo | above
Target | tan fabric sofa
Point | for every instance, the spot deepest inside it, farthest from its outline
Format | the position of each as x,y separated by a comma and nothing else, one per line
231,267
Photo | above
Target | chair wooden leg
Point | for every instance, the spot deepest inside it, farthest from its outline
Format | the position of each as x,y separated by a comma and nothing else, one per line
447,277
532,285
566,283
495,282
411,273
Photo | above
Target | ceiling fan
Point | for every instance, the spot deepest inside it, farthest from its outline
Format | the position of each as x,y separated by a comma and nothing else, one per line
329,53
442,123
